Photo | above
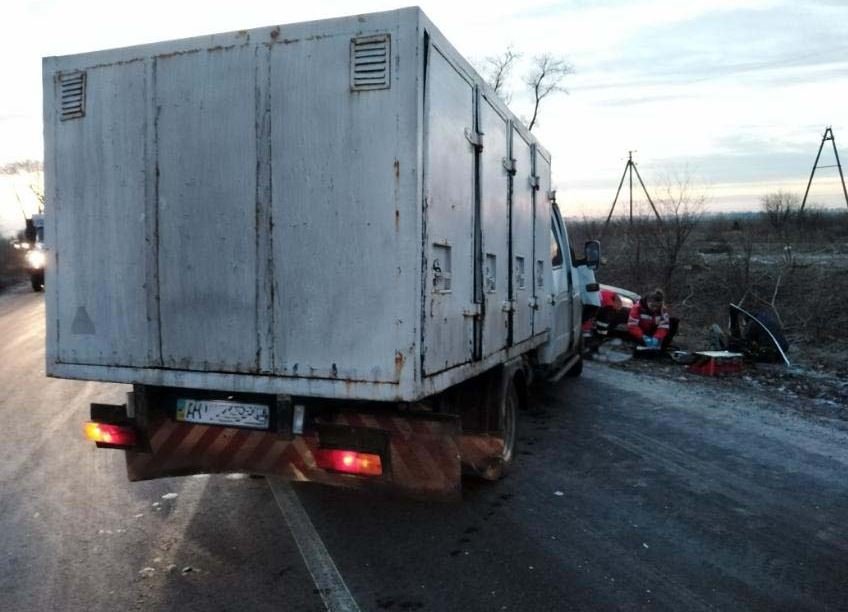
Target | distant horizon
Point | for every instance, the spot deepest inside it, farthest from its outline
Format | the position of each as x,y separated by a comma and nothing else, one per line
736,94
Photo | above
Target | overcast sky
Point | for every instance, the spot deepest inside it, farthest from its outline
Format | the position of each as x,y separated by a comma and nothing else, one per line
736,93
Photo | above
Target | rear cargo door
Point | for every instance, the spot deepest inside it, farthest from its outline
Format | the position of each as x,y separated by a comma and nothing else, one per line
101,303
449,308
206,140
495,226
522,239
343,290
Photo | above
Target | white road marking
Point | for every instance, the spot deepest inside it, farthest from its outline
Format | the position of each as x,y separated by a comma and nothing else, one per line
331,586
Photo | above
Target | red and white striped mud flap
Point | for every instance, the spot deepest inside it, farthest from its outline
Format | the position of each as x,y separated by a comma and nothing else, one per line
423,455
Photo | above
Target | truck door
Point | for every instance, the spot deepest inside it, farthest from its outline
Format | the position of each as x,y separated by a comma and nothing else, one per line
450,310
494,219
523,278
566,300
541,191
563,292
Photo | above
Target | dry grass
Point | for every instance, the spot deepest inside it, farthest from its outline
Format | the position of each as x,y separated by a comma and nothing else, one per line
799,269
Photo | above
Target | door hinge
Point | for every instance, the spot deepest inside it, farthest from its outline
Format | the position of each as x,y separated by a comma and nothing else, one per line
534,182
509,165
475,138
473,312
508,306
533,303
552,195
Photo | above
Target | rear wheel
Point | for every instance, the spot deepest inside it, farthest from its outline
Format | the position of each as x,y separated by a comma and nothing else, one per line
577,369
490,427
508,405
509,423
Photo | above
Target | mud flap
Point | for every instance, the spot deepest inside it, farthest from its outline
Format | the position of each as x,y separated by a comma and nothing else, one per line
421,457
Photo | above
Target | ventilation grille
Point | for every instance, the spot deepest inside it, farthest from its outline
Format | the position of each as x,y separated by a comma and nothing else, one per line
72,94
370,62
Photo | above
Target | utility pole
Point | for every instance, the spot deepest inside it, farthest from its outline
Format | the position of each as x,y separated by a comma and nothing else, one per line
630,168
828,135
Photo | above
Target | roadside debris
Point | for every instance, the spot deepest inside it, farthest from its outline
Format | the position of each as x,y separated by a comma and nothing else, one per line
170,496
716,363
757,335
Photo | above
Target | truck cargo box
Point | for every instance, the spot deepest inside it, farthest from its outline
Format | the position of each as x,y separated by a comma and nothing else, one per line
339,208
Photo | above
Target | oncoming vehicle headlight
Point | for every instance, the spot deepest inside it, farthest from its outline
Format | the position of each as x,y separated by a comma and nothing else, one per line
36,259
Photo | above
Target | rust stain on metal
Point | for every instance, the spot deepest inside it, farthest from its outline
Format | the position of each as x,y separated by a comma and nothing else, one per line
220,48
178,53
397,168
399,361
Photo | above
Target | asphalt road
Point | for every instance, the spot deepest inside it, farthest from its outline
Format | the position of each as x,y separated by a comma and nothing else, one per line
630,493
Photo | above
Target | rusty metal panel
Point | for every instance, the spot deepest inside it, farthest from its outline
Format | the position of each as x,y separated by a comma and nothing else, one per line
206,145
250,221
344,207
449,307
495,226
96,218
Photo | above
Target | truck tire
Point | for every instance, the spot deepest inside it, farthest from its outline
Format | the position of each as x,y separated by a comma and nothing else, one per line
577,369
509,403
37,281
509,418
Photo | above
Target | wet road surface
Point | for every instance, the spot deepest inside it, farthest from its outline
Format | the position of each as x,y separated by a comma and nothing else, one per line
629,492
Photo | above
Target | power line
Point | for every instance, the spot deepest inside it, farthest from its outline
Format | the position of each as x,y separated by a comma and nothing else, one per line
630,168
828,135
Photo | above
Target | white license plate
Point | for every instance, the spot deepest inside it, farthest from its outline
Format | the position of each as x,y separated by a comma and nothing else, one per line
218,412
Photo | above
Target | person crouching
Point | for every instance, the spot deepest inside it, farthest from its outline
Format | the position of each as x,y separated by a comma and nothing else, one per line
649,323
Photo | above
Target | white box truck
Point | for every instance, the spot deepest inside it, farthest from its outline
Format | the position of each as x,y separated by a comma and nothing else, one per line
324,250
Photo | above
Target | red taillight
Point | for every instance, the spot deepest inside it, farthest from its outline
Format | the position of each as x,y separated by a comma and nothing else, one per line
113,435
349,462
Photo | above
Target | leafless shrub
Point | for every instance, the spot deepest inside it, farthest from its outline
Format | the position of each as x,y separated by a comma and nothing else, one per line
780,207
680,207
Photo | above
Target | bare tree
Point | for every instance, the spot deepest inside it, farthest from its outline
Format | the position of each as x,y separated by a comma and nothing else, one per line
681,207
780,207
544,79
496,70
34,170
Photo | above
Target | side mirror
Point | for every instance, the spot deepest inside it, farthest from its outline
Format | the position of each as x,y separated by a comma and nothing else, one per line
592,254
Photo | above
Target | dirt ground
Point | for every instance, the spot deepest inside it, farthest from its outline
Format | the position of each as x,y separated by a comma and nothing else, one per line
798,271
817,392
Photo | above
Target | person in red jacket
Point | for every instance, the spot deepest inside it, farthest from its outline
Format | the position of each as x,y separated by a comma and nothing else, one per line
649,323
